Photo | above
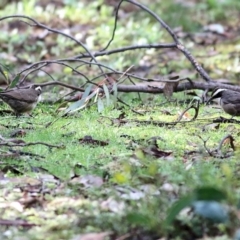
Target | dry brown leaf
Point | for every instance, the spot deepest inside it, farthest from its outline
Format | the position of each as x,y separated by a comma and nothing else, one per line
169,88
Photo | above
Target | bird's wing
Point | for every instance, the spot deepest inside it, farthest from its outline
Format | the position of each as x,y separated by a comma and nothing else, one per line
231,97
22,95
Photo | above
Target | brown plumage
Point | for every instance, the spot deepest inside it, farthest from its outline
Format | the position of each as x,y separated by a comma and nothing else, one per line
22,100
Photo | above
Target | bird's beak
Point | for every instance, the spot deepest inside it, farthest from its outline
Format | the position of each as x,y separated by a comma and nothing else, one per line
209,100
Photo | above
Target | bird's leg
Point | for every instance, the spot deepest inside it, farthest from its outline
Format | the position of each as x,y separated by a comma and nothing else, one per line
18,115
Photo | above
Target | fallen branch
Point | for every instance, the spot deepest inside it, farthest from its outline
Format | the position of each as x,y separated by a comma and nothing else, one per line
217,153
22,144
17,223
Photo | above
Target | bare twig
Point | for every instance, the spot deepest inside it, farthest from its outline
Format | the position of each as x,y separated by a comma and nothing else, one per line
22,153
35,67
10,144
62,62
22,223
145,122
38,24
121,101
195,64
217,152
177,44
205,146
129,48
231,139
196,108
61,84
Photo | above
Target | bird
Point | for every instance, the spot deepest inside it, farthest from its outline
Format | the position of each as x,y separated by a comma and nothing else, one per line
229,100
22,100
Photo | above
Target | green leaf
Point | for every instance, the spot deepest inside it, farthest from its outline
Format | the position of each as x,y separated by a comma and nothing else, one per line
209,193
4,72
199,194
82,102
106,91
138,219
177,207
15,81
100,105
115,93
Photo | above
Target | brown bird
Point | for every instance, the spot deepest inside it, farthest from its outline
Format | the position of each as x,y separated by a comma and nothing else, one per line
22,100
229,100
